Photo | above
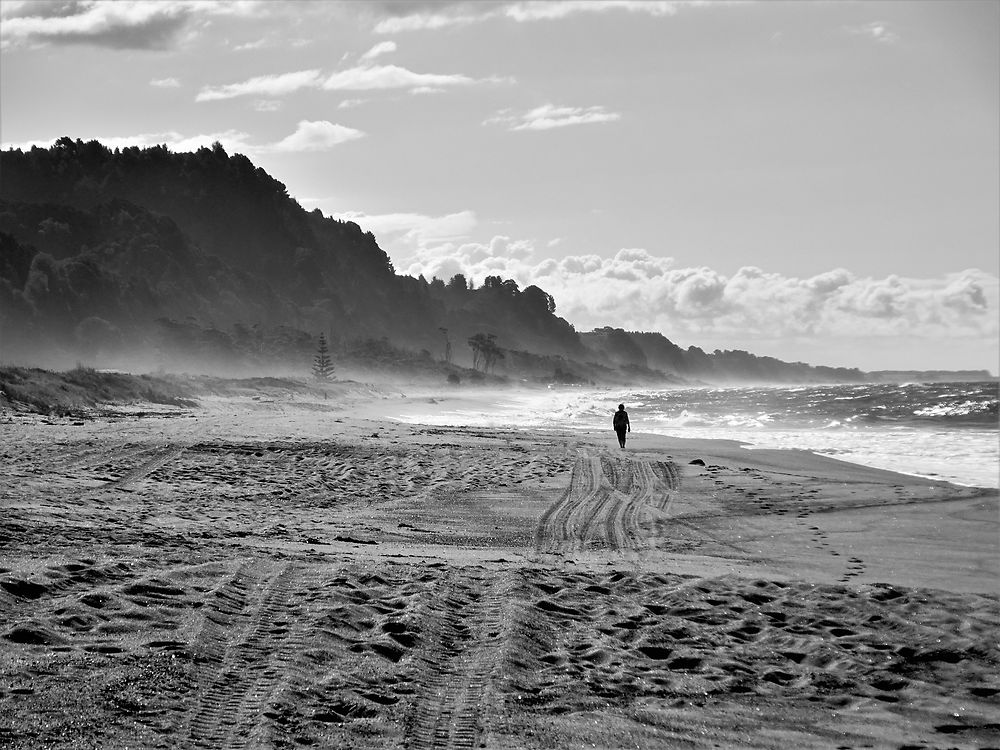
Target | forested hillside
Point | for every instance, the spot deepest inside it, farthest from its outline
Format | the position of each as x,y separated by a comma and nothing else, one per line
186,260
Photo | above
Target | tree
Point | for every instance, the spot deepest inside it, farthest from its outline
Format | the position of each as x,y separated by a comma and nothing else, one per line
322,364
447,345
476,343
484,351
538,301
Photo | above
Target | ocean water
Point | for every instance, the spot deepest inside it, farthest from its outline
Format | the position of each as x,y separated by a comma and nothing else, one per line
945,431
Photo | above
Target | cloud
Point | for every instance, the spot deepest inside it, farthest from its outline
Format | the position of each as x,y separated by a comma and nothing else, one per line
119,24
261,43
876,30
165,83
637,290
463,14
308,136
375,77
267,105
316,136
424,20
359,78
382,48
271,41
550,116
269,85
414,229
549,11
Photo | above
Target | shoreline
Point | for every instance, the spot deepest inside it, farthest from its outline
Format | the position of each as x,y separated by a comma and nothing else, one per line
376,403
873,447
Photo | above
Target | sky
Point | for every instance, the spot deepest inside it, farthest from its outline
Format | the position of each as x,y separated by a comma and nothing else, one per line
813,181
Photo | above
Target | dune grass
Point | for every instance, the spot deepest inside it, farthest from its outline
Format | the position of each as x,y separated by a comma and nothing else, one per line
83,388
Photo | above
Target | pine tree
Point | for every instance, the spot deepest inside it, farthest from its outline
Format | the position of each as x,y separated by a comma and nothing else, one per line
322,364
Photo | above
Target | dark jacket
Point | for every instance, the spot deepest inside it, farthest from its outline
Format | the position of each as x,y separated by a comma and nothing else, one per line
620,421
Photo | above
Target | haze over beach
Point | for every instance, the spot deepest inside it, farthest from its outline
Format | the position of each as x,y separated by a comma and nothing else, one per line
314,317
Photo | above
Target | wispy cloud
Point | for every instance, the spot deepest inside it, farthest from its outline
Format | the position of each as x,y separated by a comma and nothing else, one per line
267,105
374,77
382,48
359,78
424,20
550,116
269,85
316,136
261,43
117,24
463,14
548,11
165,83
308,136
876,30
413,229
270,42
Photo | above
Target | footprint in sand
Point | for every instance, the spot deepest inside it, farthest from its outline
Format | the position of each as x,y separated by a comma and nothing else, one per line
855,567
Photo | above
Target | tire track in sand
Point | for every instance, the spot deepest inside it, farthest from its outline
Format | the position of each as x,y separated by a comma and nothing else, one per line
160,458
147,468
468,630
250,642
602,504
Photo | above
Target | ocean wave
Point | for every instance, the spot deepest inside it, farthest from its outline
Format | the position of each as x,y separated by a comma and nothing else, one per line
964,409
958,405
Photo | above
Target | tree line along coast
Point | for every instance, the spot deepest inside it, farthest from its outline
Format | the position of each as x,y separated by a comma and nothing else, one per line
146,259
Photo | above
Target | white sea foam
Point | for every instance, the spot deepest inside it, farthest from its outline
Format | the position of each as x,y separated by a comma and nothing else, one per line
950,410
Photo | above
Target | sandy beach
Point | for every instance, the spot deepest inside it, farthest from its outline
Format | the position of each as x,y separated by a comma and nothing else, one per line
277,571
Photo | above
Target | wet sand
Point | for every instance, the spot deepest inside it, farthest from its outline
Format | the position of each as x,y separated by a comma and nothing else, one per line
281,572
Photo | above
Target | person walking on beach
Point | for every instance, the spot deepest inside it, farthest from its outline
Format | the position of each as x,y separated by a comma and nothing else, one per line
621,425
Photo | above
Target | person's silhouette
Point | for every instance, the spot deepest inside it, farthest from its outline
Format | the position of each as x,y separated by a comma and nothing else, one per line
621,424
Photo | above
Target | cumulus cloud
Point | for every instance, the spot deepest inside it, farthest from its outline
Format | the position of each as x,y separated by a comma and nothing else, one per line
117,24
637,290
308,136
550,116
269,85
876,30
316,136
